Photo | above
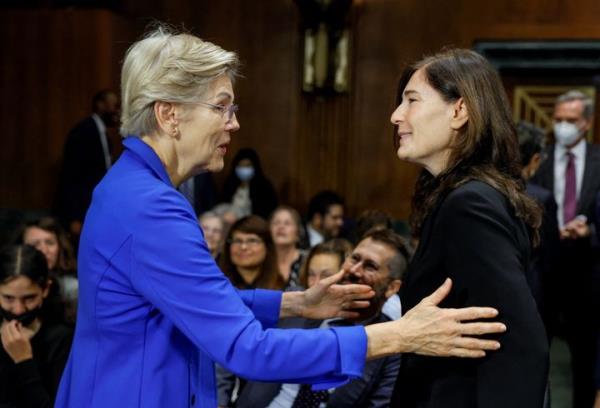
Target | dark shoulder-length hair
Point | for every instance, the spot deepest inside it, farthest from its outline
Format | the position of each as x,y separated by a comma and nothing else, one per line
66,262
262,193
269,276
486,148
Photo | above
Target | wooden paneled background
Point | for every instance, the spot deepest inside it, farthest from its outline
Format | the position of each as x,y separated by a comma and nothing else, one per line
53,60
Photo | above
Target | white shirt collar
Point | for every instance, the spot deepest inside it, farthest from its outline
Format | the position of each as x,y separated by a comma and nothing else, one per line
99,123
578,151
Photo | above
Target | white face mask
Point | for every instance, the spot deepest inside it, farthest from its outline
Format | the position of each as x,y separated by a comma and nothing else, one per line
244,173
566,133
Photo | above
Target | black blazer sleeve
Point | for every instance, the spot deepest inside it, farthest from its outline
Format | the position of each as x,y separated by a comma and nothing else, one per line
486,249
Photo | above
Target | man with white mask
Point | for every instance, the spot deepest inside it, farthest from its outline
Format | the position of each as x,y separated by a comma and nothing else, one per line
572,172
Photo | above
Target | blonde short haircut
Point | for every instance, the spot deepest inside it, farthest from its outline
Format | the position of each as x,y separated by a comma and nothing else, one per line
170,67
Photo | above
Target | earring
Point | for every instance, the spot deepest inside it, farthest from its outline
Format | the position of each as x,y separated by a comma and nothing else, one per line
175,131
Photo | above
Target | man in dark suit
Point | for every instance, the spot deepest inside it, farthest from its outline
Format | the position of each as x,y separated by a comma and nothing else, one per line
572,173
379,260
86,158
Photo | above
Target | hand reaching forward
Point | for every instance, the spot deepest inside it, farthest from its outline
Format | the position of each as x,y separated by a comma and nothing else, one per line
327,299
429,330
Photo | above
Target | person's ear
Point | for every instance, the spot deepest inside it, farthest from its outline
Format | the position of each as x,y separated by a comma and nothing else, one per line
460,114
392,288
587,124
46,290
317,221
166,118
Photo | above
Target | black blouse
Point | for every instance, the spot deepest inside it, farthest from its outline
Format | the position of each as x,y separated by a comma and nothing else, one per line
34,382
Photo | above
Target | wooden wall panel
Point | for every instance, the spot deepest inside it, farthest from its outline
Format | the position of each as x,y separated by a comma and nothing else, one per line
52,61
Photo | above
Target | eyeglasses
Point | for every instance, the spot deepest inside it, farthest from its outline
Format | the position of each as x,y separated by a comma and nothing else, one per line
222,109
251,242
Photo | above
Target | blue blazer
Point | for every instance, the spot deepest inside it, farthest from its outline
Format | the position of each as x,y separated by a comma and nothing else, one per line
155,311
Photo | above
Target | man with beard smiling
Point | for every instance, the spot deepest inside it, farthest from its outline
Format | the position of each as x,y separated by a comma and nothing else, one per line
379,260
86,159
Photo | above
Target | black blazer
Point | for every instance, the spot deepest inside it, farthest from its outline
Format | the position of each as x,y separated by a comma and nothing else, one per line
544,257
473,237
82,169
373,389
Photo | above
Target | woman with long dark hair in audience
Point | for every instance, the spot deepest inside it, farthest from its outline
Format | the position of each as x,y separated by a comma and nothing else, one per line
247,188
287,232
475,224
47,236
249,258
35,346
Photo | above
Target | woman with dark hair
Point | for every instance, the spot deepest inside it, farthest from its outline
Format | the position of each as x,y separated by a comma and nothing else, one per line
475,224
247,188
47,236
331,256
34,349
288,233
249,259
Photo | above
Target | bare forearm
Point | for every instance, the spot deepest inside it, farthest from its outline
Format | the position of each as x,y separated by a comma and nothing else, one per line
292,305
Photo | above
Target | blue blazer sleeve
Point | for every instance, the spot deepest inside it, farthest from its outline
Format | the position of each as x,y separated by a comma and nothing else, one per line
173,269
265,305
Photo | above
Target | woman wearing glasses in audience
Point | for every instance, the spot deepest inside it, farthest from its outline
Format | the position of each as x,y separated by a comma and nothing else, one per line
249,259
474,223
155,311
35,346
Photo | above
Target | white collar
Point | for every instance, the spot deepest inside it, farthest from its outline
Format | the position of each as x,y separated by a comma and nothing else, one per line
99,123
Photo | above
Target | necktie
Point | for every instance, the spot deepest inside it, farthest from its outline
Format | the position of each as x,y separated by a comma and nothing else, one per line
570,199
308,398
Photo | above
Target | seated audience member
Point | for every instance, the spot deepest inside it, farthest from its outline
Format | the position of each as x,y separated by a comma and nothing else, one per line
287,233
542,277
227,212
247,188
371,219
34,347
250,262
325,217
249,259
214,228
47,236
324,260
379,260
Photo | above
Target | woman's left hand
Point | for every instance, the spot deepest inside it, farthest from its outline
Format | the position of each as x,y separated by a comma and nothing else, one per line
15,341
327,299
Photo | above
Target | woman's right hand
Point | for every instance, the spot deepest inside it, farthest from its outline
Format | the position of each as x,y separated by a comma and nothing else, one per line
15,341
429,330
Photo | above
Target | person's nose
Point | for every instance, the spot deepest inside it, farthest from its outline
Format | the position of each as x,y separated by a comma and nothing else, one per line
398,115
19,307
233,125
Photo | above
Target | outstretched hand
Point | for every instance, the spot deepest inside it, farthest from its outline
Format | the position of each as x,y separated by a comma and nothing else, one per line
430,330
449,332
328,299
